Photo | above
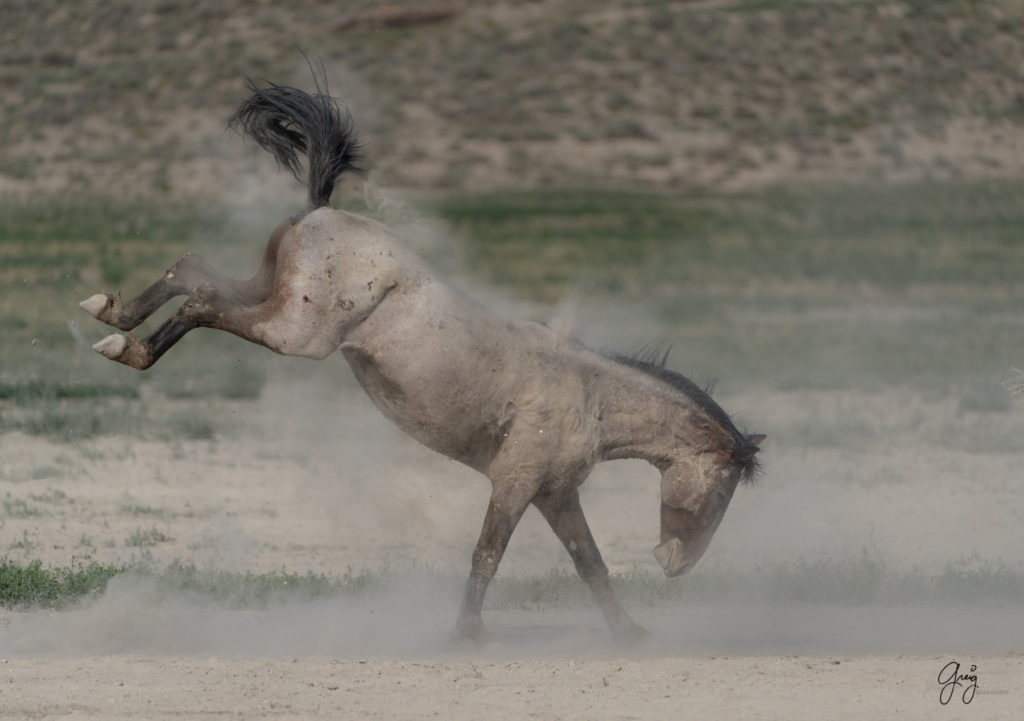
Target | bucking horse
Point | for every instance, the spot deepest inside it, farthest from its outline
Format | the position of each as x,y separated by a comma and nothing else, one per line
527,406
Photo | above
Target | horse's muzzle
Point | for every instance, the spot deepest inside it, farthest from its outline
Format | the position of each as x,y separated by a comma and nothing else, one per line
672,557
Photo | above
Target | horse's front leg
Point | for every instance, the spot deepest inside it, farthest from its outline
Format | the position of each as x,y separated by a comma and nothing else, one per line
183,278
565,516
503,514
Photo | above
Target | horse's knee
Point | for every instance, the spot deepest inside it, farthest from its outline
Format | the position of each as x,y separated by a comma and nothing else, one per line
200,303
186,273
187,260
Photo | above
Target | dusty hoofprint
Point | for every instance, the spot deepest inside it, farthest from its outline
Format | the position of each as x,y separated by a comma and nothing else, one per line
530,408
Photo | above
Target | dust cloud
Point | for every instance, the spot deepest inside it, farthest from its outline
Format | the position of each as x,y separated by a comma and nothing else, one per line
412,618
135,617
360,494
347,490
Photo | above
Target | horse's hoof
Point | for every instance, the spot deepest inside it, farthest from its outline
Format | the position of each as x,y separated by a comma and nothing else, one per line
95,305
113,346
476,635
106,308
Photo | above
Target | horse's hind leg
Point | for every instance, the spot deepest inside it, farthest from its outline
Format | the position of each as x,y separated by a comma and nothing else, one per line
565,515
183,278
206,307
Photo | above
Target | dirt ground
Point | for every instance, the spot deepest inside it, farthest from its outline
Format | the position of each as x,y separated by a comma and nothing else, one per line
314,480
131,687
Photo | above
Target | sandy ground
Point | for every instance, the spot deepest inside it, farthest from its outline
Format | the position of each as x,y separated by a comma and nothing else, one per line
310,479
128,687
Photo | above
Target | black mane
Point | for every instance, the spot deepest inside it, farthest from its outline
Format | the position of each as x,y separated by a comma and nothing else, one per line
651,360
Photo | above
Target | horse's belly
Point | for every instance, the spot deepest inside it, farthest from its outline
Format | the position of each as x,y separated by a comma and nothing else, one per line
445,413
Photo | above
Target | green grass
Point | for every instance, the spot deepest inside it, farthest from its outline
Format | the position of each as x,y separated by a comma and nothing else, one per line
74,425
76,420
863,580
34,391
929,238
20,508
92,223
147,539
35,586
257,590
829,288
135,509
54,254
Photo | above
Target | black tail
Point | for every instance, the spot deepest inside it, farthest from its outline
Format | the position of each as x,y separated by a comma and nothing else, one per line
285,120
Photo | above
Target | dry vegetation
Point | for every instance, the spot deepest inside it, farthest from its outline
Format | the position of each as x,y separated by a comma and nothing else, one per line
121,97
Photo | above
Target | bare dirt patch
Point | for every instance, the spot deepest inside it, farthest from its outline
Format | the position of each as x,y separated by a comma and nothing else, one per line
130,687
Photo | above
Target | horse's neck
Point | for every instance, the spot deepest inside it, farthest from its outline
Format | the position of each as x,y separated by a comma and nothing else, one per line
641,417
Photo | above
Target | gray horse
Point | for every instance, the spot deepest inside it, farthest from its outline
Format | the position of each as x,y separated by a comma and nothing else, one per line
526,406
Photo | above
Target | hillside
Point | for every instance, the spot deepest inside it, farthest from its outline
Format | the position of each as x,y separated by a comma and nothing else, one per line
125,98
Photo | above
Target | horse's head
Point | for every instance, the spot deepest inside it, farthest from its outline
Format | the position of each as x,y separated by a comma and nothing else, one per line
695,492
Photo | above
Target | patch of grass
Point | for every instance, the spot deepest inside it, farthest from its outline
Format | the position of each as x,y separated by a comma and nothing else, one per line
35,586
33,391
147,539
24,543
68,421
832,287
96,223
926,236
20,508
558,587
257,590
64,425
52,495
540,243
134,509
980,583
113,268
856,581
842,287
241,380
979,434
191,426
988,397
39,473
244,382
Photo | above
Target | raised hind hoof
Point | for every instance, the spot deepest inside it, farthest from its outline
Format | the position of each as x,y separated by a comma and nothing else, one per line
104,307
124,349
